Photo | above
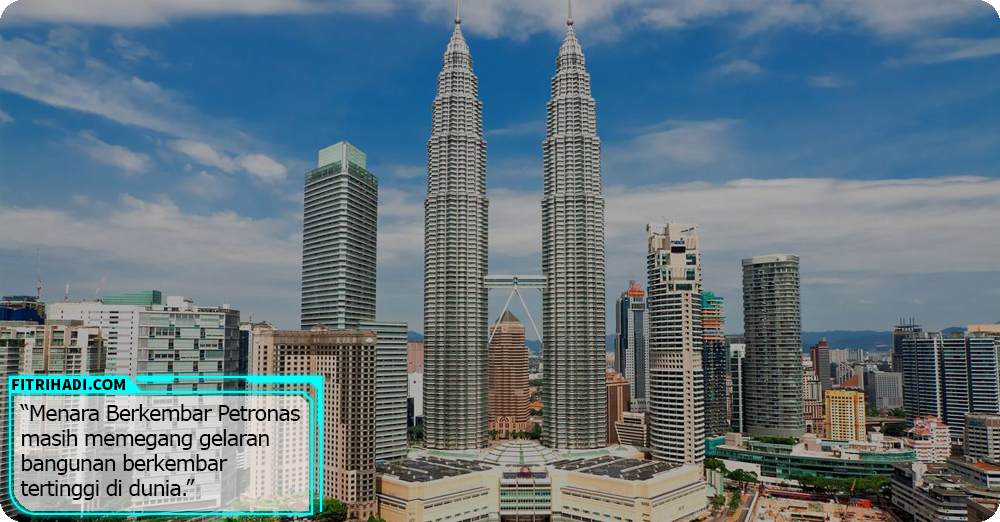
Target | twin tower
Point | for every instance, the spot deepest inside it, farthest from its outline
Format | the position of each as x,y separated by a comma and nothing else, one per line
456,230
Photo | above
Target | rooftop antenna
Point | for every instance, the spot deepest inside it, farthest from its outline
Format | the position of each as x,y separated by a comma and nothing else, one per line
66,295
458,11
569,9
38,268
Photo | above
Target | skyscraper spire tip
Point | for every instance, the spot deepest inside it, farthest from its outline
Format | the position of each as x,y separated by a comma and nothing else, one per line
569,9
458,11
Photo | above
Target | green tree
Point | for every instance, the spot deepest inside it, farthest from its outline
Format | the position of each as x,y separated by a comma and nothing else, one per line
536,432
742,477
333,511
716,502
715,465
735,501
373,518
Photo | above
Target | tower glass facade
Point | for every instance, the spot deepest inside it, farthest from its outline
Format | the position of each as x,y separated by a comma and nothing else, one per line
339,235
632,344
714,363
773,329
573,306
677,383
456,215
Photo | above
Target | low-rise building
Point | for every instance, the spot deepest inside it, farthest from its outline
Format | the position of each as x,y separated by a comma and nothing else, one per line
933,493
533,486
930,439
632,430
982,436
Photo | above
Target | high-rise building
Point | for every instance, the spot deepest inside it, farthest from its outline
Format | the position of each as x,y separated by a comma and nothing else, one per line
456,214
884,390
714,363
346,360
618,403
930,439
820,355
773,330
949,376
845,415
573,306
632,343
390,388
118,318
414,356
677,385
340,225
508,377
813,406
737,357
982,436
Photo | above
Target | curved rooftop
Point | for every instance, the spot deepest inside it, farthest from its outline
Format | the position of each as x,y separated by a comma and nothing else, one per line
520,452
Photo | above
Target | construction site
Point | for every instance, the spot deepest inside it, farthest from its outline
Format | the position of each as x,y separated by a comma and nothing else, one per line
769,508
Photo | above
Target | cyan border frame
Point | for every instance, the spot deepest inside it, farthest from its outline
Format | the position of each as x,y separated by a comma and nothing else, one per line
316,381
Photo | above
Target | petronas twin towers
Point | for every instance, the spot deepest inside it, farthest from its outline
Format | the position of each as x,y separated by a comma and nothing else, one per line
456,260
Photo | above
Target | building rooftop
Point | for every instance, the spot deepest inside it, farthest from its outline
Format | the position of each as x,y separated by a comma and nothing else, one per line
426,469
617,467
520,452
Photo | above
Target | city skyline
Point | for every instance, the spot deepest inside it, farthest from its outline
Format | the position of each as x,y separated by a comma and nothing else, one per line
144,196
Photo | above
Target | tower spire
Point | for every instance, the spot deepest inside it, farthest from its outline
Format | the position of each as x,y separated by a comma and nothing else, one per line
458,12
569,16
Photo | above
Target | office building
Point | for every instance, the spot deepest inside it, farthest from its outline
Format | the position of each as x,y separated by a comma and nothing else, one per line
773,331
677,385
618,403
632,343
715,364
933,493
346,361
573,306
949,376
820,355
930,439
508,378
414,356
982,436
339,228
632,430
22,308
737,356
455,259
390,388
118,318
845,415
884,390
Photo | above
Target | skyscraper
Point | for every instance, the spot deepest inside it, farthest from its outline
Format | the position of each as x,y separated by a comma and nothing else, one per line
677,386
845,415
737,356
508,381
391,387
455,259
820,355
632,343
773,329
573,304
618,399
714,364
340,223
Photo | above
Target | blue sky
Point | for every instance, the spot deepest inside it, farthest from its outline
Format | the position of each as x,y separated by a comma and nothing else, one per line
162,144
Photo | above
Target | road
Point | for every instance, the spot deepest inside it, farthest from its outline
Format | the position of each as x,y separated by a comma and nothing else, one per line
727,515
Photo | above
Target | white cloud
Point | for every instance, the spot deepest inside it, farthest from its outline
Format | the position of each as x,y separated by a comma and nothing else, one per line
116,155
205,185
826,81
519,19
258,165
406,171
739,67
60,74
130,50
941,50
5,118
697,142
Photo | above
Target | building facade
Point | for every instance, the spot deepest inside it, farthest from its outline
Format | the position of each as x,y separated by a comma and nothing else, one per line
820,355
618,404
508,378
391,388
456,214
715,364
339,239
573,305
737,356
845,415
930,439
884,390
346,360
414,356
772,322
632,343
982,436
